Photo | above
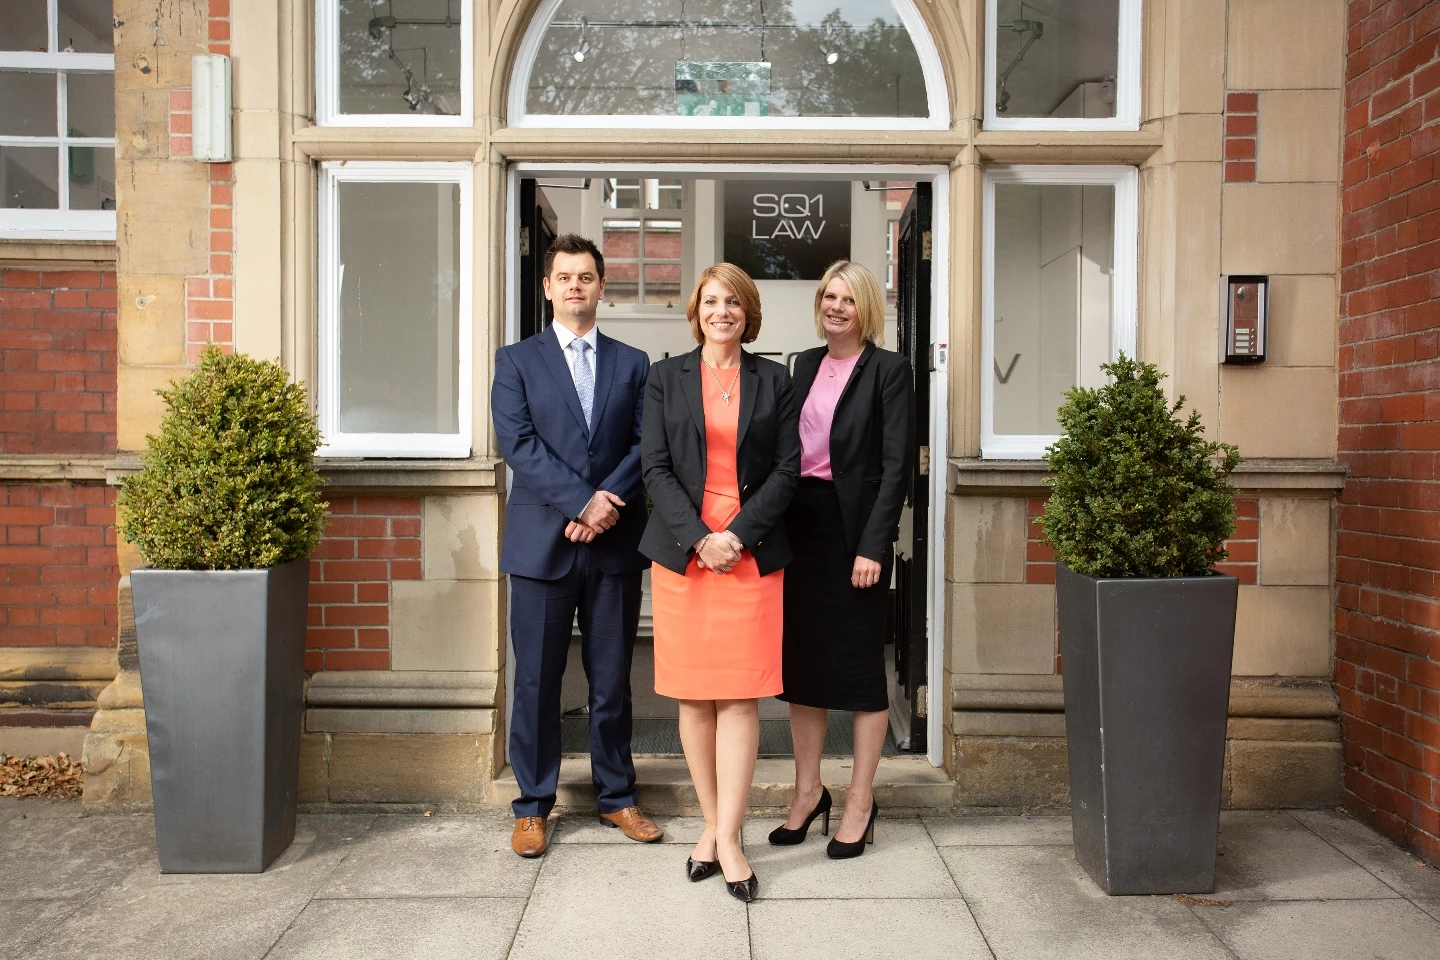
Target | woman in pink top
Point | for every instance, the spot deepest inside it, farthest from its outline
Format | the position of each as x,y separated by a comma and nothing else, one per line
855,410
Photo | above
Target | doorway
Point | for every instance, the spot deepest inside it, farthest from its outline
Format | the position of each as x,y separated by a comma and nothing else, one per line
658,227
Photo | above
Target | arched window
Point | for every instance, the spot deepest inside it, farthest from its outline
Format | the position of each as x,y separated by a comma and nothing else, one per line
729,63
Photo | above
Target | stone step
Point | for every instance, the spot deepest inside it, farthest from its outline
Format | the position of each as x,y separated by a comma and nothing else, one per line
909,784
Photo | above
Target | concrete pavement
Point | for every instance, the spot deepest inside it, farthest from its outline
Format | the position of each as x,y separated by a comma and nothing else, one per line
1303,884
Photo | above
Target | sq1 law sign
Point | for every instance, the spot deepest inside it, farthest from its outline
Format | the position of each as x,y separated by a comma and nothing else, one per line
786,229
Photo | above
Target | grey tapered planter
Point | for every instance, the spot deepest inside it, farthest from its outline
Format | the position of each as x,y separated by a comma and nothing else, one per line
222,669
1146,667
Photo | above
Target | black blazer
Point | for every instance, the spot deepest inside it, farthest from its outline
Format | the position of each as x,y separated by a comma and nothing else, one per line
869,445
672,459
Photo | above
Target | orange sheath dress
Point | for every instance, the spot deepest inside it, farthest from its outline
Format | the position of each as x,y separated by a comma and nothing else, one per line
717,635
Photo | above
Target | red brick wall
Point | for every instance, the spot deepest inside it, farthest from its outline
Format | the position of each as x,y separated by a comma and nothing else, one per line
369,541
1387,623
58,572
57,361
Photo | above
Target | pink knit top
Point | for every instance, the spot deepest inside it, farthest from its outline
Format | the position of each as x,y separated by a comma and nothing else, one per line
818,414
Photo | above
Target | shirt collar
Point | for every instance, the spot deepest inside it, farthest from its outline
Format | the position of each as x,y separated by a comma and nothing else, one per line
564,336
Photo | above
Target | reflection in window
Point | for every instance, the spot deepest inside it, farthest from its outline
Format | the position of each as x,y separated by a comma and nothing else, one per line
1056,58
400,57
778,58
1053,299
642,240
399,309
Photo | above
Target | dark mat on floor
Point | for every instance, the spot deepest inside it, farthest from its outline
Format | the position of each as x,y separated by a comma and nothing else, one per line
662,736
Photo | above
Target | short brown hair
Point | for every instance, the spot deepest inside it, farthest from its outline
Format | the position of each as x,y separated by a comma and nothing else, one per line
573,243
869,299
741,285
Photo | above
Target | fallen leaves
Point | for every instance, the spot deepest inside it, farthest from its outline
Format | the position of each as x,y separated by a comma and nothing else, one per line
56,778
1192,901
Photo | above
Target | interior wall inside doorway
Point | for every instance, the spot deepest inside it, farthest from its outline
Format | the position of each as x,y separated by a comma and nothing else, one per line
590,206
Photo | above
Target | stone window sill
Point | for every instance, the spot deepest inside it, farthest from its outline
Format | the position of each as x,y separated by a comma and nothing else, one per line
973,477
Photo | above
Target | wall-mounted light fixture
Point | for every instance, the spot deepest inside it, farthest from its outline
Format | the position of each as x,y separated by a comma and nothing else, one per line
1247,318
210,114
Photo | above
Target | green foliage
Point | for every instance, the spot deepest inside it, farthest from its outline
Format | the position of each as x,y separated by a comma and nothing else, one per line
230,482
1137,492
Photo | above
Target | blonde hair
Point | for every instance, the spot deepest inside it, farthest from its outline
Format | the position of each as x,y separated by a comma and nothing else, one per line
744,289
869,299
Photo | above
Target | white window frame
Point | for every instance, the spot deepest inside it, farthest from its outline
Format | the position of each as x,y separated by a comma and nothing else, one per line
931,67
1124,285
1127,79
334,442
598,213
62,223
327,77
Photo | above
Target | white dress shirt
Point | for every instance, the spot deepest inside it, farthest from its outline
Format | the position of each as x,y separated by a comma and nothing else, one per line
566,337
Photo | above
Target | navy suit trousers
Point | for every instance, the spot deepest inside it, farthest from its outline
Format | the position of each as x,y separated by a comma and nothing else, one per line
541,614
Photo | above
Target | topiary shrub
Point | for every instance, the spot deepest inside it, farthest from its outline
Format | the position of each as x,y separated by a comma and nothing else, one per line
230,482
1137,492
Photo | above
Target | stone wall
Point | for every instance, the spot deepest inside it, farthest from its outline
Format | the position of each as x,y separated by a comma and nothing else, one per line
1387,652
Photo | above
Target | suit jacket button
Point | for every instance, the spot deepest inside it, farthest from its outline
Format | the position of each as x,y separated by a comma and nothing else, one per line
838,473
592,453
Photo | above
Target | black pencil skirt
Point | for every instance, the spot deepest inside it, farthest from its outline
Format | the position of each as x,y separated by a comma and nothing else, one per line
834,649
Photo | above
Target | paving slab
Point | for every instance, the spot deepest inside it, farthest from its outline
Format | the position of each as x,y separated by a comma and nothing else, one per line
1332,930
440,856
1431,907
422,929
583,828
999,831
1399,869
201,916
633,901
901,864
865,929
1272,856
56,858
27,807
24,922
1036,903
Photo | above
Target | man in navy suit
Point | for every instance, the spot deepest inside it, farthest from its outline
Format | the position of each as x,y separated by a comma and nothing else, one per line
566,404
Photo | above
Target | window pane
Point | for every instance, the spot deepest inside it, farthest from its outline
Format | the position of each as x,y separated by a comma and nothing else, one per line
805,58
620,239
662,239
92,178
400,56
662,283
90,104
399,321
85,26
28,101
622,283
24,26
663,194
1056,58
29,178
623,195
1053,257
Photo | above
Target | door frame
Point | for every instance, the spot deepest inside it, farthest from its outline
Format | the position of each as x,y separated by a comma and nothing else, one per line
937,431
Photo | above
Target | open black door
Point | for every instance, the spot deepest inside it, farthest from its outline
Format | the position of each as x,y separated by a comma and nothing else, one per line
909,691
538,226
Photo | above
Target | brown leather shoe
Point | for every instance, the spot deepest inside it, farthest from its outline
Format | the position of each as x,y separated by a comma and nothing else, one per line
634,824
529,836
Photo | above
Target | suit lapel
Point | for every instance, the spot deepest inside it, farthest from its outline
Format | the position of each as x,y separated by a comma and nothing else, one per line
749,386
805,372
690,384
865,356
604,376
560,370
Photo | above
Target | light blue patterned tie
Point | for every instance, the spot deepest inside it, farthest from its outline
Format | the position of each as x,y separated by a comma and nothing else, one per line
584,378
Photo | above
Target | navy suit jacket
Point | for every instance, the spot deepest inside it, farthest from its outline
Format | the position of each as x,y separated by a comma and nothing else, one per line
558,463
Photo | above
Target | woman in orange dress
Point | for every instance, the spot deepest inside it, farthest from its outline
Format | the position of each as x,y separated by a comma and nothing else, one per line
720,447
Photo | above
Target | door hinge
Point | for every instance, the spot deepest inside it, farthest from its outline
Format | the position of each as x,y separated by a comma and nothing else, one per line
925,461
925,245
524,241
922,701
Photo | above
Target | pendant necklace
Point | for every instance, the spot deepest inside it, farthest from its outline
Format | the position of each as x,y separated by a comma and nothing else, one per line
724,390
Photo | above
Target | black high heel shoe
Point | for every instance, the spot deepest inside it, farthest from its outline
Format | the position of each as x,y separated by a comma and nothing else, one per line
744,890
698,870
836,850
783,836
